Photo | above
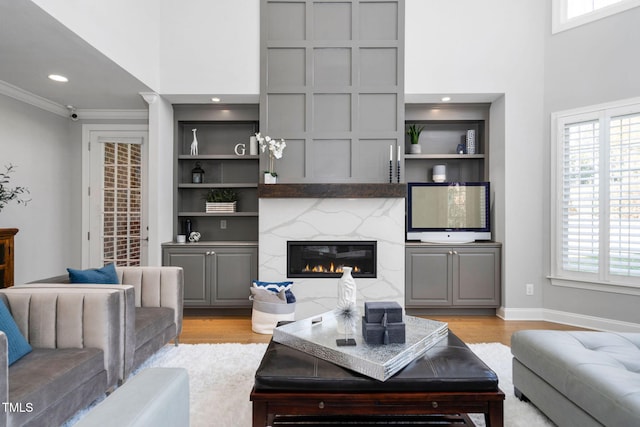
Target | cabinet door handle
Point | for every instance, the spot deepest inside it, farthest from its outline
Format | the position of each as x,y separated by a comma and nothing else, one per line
450,252
455,252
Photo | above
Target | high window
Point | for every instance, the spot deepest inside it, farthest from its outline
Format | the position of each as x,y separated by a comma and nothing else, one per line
596,207
571,13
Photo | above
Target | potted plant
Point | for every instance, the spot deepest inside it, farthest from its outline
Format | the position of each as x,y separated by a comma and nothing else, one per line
221,200
414,134
8,194
276,149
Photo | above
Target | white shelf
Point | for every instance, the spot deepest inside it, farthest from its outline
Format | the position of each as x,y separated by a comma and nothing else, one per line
443,156
217,157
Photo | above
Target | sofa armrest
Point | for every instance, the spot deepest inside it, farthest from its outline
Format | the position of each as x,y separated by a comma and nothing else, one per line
127,311
70,318
4,376
156,287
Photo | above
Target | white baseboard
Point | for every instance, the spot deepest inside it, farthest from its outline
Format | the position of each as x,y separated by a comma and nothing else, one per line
567,318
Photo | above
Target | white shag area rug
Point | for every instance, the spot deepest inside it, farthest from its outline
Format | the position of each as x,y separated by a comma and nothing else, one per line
221,378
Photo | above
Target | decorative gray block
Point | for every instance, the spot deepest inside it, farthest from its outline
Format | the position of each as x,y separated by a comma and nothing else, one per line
374,333
375,310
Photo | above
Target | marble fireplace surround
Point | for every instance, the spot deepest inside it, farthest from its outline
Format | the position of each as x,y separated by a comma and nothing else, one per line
347,212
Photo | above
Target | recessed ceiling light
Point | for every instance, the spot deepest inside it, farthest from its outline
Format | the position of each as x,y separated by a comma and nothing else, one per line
215,99
446,98
58,78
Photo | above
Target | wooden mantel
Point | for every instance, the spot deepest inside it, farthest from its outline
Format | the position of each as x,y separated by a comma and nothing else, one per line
320,191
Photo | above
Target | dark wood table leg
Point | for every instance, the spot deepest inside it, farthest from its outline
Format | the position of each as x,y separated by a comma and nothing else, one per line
260,414
495,416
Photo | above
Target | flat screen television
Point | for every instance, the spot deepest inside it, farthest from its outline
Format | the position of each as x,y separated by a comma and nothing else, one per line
448,212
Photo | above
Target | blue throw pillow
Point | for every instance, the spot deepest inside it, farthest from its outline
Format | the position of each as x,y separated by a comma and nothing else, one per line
277,287
18,345
273,286
106,275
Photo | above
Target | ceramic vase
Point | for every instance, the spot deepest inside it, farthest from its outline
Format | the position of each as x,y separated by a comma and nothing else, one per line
253,146
415,149
270,179
346,308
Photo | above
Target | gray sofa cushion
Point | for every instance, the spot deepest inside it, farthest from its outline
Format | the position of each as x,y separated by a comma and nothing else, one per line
44,376
151,321
598,371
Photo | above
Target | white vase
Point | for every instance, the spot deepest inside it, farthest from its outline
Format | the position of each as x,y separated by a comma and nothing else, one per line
415,149
270,179
253,146
346,301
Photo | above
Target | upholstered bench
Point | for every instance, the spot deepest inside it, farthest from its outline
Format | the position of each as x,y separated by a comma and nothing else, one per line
156,397
579,378
448,381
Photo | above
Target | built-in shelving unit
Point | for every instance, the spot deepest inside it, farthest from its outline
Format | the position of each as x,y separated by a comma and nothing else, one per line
219,268
444,127
440,278
223,169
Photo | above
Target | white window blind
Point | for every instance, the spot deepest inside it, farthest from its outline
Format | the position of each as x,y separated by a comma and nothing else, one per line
624,195
580,201
597,231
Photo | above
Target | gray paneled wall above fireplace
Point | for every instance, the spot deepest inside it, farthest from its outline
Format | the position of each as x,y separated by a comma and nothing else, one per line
332,85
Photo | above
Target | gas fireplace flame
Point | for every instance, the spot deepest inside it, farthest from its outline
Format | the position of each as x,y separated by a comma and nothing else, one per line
331,268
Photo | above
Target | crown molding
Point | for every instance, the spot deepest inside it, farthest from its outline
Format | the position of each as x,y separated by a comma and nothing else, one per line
113,114
61,110
32,99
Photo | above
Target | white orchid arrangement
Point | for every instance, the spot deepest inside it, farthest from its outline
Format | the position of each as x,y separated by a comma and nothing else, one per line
276,149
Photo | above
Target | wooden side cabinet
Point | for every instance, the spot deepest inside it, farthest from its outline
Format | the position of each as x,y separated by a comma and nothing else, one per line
6,256
462,276
215,275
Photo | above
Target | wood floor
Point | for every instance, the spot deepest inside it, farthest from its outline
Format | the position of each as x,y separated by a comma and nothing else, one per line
471,329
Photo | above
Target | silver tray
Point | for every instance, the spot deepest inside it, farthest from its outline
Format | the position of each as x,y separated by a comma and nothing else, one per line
381,362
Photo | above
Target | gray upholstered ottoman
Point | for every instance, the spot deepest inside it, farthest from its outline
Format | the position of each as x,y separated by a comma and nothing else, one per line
156,397
579,378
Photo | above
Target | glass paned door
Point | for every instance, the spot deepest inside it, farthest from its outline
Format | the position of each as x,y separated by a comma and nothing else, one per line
122,204
117,203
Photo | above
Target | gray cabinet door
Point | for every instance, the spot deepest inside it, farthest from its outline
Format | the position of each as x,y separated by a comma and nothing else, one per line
458,276
428,278
195,263
235,268
476,277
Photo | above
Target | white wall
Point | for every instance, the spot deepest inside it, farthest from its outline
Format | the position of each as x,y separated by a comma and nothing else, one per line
210,47
584,66
48,163
192,47
495,46
125,31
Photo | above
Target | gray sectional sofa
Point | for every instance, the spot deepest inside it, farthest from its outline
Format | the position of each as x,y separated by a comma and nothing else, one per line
579,378
152,309
75,336
86,339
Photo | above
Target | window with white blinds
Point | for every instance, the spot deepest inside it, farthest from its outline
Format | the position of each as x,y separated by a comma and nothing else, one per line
580,196
624,195
597,218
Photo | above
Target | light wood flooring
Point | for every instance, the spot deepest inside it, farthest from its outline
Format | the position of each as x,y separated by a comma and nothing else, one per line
471,329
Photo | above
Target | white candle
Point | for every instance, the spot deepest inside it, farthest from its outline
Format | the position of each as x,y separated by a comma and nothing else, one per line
398,152
391,153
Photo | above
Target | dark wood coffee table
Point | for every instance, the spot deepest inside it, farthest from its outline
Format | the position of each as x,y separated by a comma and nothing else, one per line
448,382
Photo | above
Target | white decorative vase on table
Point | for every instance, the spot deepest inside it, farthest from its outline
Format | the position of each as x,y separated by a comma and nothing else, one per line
346,308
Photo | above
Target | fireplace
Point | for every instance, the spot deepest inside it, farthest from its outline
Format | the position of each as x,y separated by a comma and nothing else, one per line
326,258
